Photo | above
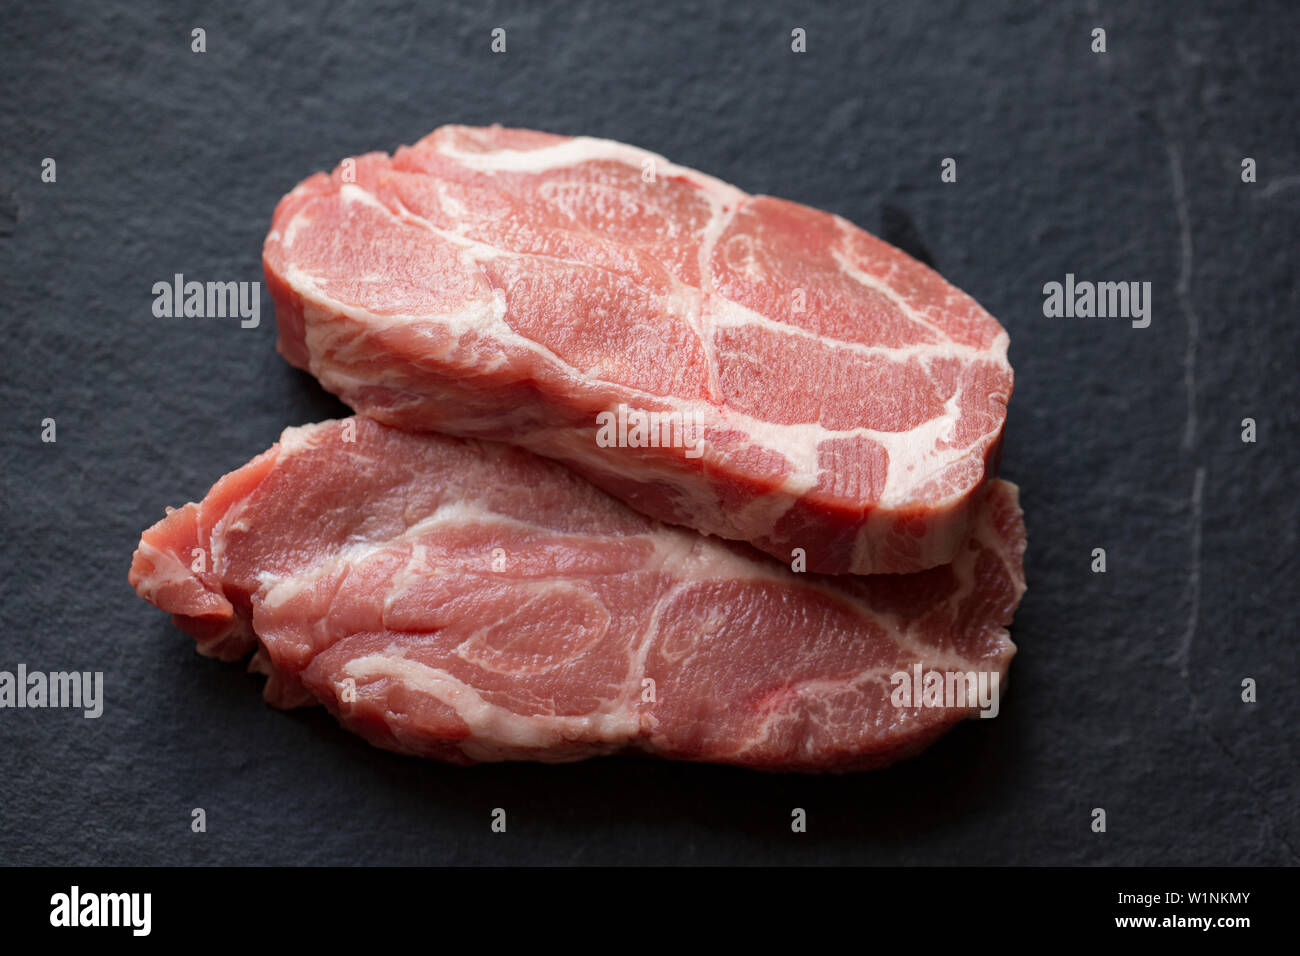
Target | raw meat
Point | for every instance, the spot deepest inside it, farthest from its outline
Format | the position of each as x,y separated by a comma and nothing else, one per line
514,285
473,602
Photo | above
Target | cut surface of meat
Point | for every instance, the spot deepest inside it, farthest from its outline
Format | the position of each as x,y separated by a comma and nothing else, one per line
473,602
742,365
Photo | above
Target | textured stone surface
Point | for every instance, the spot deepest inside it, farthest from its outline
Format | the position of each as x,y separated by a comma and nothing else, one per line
1117,167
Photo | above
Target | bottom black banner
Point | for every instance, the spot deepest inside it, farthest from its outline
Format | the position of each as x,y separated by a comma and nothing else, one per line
336,906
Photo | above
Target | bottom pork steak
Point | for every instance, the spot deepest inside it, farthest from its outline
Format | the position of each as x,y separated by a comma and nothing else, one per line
472,602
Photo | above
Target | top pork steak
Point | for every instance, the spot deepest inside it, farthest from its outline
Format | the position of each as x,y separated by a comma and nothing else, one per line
473,602
512,285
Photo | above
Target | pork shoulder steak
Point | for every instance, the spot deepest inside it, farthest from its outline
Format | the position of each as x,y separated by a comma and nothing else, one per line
473,602
514,285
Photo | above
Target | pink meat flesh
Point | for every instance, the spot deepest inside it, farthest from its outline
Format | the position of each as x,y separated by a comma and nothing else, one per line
513,285
473,602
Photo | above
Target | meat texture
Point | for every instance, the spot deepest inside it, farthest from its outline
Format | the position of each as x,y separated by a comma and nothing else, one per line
811,386
473,602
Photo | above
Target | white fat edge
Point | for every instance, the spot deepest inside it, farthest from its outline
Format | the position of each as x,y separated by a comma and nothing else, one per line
847,232
277,589
454,207
914,455
275,235
168,568
613,722
876,285
351,193
820,687
300,438
981,532
217,544
670,548
584,149
954,297
302,187
986,532
419,566
485,316
773,721
299,219
674,550
482,314
1013,560
472,251
727,314
724,208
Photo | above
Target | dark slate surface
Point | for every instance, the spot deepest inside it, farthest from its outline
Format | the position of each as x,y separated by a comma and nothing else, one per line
1123,166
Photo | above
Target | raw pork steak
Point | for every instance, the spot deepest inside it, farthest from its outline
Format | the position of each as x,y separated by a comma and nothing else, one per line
473,602
513,285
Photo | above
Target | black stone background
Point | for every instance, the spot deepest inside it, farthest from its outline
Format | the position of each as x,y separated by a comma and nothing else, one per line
1122,166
